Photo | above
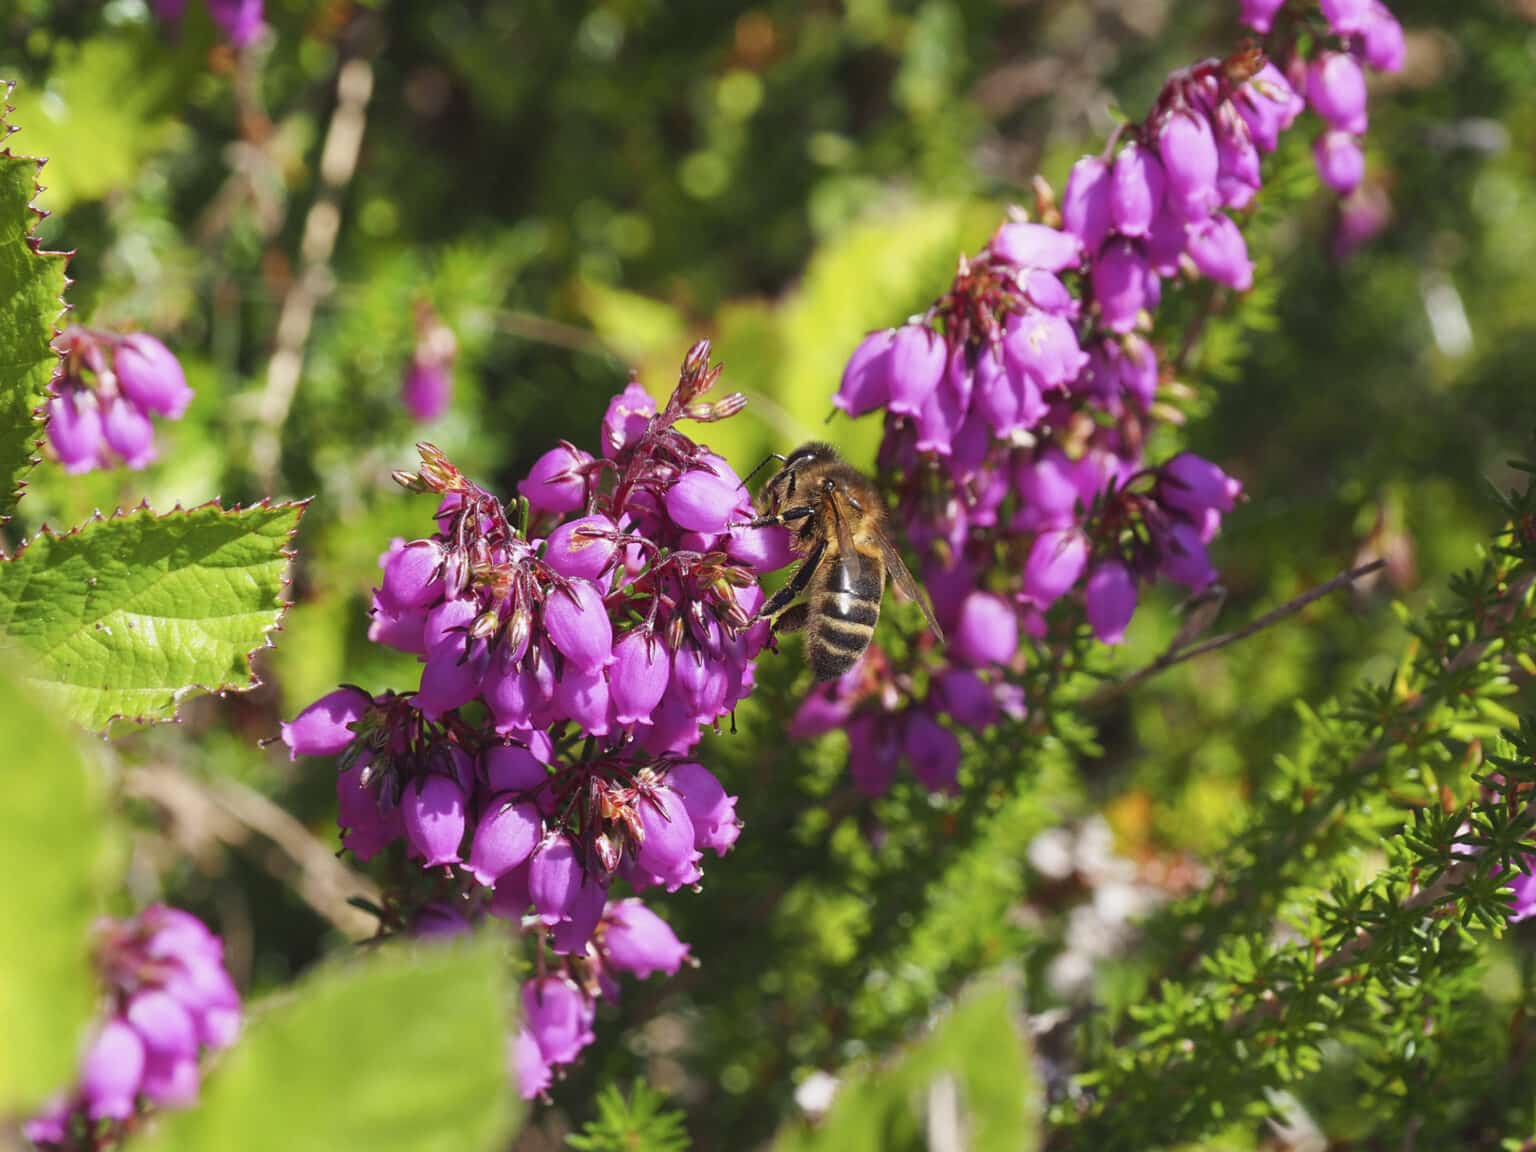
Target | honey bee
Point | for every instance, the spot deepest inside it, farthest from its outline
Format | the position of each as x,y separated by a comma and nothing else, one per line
838,525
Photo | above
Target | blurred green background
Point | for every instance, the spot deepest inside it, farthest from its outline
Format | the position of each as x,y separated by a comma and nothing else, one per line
582,190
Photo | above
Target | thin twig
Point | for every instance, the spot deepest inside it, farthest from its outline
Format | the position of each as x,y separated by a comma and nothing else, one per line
338,164
1178,655
236,816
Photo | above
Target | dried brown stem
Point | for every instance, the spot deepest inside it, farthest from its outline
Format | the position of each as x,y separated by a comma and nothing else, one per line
1177,655
222,812
338,164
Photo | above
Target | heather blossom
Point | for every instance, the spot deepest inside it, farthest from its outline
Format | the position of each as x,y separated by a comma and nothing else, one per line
573,648
428,384
107,389
168,998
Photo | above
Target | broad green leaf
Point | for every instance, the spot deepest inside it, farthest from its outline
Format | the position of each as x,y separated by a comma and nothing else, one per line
52,850
31,302
969,1083
404,1051
124,616
97,119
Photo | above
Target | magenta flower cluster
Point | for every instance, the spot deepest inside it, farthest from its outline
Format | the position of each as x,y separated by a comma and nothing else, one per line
108,387
1351,36
168,997
572,652
1017,408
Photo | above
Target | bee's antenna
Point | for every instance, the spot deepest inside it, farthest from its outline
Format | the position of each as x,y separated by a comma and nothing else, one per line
771,456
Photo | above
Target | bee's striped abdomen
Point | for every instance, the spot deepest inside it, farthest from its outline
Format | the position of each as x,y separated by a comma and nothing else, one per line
845,604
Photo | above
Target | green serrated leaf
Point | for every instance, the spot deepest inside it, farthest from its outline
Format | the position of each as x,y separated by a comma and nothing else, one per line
125,616
402,1052
31,301
970,1081
53,847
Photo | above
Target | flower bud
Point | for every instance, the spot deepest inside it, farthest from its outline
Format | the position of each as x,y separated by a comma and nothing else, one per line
866,381
704,501
413,574
637,941
112,1071
163,1024
533,1074
325,727
366,831
987,632
1383,46
585,911
509,768
1268,105
581,548
1055,562
74,430
150,375
510,899
427,389
1260,14
1184,559
628,416
583,696
558,1016
170,1081
1120,284
918,359
449,680
504,838
967,698
933,751
1220,253
1190,160
1028,245
666,849
638,680
1085,204
1135,190
434,819
712,812
554,877
128,432
1191,484
578,625
1346,17
1340,162
555,483
1110,599
1336,91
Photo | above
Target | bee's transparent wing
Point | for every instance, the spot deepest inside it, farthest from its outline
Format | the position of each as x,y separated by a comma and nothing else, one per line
903,579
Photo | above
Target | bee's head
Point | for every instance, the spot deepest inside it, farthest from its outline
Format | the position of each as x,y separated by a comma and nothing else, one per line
812,453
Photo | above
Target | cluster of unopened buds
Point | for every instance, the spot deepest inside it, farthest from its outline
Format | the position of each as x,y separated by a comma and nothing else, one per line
573,649
168,998
108,387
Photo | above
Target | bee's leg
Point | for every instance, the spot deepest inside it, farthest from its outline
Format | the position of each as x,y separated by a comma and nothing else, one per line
779,519
779,601
792,619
